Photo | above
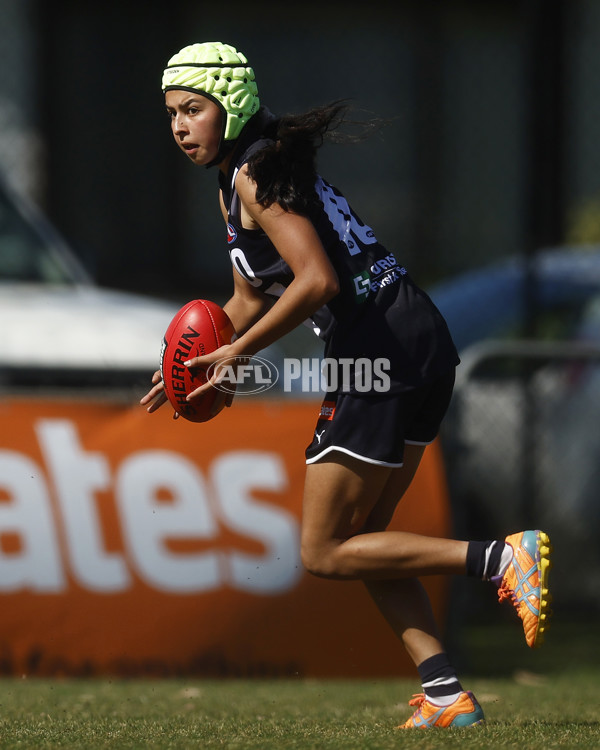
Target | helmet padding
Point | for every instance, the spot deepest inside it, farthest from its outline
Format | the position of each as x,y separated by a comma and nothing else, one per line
221,73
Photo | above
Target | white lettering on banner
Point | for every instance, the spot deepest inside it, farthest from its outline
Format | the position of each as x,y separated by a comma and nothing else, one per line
192,510
77,475
37,564
150,522
233,476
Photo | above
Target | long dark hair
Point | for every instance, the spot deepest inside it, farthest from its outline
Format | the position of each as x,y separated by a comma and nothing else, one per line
285,171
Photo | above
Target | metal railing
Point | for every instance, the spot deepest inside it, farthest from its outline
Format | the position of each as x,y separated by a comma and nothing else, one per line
522,445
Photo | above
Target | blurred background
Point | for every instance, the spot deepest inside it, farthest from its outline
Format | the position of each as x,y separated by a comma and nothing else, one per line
485,182
491,149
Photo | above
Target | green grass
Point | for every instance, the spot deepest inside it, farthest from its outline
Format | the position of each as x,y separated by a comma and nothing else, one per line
557,705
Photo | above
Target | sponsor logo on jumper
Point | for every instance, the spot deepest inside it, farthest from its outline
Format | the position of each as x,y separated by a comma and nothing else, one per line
327,410
383,272
362,286
231,234
386,265
388,278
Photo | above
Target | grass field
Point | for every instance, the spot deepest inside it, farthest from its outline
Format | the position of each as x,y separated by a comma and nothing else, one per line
557,704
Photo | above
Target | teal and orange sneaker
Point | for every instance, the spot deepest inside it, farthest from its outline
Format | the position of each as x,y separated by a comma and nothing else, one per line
464,712
525,582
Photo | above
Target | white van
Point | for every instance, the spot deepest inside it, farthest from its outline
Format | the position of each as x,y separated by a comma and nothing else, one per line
56,326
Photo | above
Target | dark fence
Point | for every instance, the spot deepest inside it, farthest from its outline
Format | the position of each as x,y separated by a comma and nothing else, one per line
523,451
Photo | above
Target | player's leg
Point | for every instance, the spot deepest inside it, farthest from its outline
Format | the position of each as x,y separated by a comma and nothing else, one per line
405,605
356,516
358,446
347,506
403,601
340,493
443,702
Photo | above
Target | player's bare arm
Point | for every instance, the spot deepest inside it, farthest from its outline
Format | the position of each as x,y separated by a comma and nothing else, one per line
315,280
246,306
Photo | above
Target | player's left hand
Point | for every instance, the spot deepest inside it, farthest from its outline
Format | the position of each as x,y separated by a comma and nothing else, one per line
223,356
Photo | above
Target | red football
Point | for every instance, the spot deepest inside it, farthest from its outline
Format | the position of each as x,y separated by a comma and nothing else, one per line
198,328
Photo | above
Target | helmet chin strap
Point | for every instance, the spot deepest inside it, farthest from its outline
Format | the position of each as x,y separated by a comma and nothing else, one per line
261,122
224,146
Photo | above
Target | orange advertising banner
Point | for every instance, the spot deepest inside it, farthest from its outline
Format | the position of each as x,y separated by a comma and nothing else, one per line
134,544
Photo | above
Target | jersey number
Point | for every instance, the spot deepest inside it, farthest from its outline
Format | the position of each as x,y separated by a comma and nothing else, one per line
241,265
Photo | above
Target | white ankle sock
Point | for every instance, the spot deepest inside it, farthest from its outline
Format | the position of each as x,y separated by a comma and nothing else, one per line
505,560
443,700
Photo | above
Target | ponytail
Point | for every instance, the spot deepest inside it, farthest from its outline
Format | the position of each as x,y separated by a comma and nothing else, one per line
285,171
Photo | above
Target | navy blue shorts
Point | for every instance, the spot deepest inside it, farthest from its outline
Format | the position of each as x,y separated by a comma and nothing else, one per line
376,428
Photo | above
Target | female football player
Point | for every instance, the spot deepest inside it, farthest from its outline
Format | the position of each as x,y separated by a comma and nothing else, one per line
299,253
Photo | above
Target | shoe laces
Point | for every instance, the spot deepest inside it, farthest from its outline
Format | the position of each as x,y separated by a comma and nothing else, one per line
417,700
505,592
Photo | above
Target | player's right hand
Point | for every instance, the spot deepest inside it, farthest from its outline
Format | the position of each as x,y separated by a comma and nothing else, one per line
156,397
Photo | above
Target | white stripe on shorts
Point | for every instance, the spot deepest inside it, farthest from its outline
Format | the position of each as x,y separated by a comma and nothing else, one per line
354,455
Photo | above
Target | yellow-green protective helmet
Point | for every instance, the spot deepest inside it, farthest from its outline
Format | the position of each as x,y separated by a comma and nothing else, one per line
221,73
